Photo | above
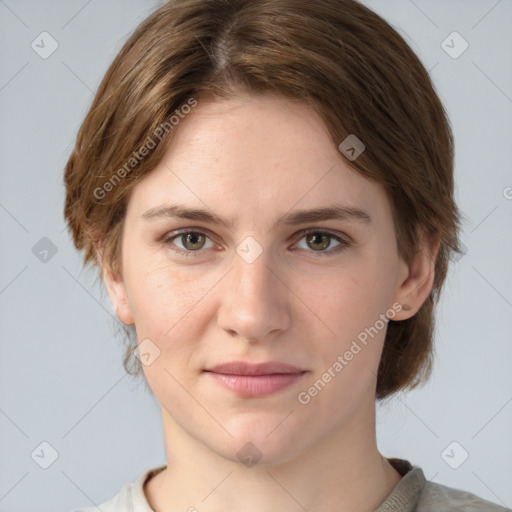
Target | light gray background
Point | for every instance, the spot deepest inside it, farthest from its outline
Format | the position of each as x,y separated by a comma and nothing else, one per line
61,378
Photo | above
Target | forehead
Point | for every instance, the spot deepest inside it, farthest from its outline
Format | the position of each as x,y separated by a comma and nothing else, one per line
252,155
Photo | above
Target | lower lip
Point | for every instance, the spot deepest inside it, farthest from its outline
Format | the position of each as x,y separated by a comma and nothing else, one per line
256,385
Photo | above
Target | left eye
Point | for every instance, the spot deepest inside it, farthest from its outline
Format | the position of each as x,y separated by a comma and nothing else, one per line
321,240
192,241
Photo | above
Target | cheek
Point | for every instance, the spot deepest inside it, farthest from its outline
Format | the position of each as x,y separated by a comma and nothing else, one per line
350,303
160,294
347,365
172,307
347,300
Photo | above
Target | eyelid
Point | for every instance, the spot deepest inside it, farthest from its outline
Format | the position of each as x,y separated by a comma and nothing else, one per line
342,238
176,232
166,238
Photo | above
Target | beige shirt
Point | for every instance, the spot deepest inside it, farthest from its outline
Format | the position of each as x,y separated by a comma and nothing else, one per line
412,494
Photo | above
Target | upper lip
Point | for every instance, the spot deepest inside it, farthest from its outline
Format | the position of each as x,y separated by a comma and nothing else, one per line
244,368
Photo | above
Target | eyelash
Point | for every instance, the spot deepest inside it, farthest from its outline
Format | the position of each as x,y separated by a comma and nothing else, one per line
168,237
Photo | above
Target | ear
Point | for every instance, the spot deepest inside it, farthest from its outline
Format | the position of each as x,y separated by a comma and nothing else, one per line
416,280
116,291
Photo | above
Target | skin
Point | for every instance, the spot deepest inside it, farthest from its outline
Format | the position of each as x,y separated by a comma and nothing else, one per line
253,158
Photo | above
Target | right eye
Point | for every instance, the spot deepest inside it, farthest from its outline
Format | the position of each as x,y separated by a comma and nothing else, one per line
192,241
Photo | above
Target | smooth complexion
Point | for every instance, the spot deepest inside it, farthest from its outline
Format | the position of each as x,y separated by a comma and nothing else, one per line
251,160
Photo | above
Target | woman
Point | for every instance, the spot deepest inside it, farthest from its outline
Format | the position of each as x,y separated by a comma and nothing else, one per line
266,188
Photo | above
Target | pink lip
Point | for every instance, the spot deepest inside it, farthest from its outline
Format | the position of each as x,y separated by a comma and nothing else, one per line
255,379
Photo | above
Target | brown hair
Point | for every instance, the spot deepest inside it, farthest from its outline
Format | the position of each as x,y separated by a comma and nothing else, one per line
339,57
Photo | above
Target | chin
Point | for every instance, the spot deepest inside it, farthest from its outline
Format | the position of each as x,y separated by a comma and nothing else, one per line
259,442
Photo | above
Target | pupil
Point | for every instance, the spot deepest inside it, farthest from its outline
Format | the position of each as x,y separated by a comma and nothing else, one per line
322,241
192,238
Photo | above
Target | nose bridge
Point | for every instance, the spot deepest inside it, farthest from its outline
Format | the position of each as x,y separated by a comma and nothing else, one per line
252,303
253,278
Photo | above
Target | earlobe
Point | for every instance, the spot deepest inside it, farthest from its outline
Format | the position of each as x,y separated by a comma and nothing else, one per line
415,284
118,297
117,292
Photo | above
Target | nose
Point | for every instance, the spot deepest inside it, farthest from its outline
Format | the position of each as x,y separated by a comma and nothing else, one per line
255,301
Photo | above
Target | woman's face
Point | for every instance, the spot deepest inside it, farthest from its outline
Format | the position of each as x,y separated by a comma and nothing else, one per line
256,287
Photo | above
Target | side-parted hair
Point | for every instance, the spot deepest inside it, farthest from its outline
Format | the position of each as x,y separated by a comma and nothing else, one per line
337,56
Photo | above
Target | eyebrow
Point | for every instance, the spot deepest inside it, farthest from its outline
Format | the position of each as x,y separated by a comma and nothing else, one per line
333,212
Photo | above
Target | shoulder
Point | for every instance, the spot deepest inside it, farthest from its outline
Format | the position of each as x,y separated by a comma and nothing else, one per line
436,497
130,498
414,493
121,502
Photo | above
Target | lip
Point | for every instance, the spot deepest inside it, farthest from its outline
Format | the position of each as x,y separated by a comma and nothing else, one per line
247,379
244,368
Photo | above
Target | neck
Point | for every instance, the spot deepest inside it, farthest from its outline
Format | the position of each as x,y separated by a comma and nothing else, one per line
344,472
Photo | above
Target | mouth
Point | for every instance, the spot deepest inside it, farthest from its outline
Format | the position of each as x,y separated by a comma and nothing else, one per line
253,380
